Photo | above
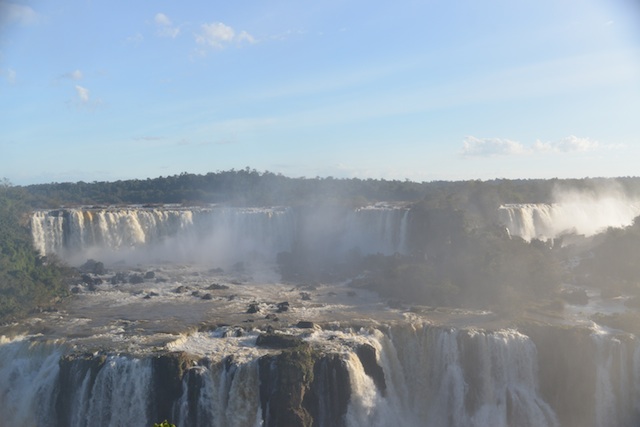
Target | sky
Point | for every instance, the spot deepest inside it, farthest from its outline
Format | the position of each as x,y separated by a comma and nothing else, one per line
420,90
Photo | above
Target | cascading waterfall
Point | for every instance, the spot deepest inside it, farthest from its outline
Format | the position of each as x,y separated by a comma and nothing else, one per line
432,376
225,394
220,235
583,217
377,229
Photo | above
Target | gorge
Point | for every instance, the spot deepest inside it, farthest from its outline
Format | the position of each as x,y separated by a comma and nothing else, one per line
188,320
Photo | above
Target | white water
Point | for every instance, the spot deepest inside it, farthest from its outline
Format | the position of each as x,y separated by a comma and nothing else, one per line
215,235
219,236
435,377
580,216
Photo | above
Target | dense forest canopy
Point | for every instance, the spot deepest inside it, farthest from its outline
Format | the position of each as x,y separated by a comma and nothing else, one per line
250,187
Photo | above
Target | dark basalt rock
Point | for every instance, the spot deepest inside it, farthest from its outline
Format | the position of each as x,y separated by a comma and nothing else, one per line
216,287
167,374
304,324
273,340
367,355
253,308
283,306
300,388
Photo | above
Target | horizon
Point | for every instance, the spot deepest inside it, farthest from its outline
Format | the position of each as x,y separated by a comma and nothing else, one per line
418,91
262,172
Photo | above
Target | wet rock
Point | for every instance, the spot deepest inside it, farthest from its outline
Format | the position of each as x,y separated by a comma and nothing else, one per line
149,275
195,294
304,324
86,279
280,341
271,316
180,289
283,306
217,287
306,296
367,355
92,266
136,279
253,308
207,297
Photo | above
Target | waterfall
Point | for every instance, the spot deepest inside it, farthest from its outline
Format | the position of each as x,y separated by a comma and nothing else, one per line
420,375
376,229
583,217
216,235
219,235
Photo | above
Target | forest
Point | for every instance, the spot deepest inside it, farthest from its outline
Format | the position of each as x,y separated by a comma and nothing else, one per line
459,256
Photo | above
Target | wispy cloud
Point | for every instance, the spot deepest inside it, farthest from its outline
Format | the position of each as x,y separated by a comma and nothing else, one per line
164,26
490,147
570,144
83,94
84,100
135,39
218,35
17,13
472,146
75,75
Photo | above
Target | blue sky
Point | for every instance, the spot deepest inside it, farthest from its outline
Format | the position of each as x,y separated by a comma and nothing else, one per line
421,90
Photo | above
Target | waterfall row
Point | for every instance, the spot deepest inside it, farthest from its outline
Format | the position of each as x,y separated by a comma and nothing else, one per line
583,217
220,235
415,375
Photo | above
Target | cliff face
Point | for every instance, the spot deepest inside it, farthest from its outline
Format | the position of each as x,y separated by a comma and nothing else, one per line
411,374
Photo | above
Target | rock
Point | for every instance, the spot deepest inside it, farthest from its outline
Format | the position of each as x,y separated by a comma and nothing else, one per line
253,308
136,278
92,266
76,290
283,306
195,294
207,297
149,275
306,296
280,341
86,279
180,289
304,324
367,355
216,287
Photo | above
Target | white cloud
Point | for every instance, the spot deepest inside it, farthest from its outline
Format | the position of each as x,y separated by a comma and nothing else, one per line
485,147
473,146
165,27
570,144
73,75
83,94
12,12
217,35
